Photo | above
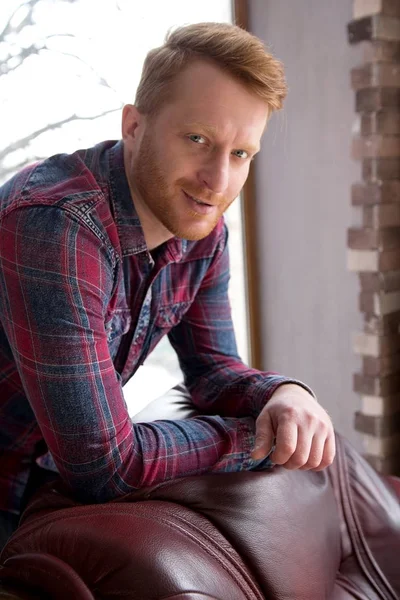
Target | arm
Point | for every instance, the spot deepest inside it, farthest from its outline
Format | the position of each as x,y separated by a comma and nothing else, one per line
56,279
218,380
287,412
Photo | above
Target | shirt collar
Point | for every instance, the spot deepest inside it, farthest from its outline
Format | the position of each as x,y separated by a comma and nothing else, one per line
129,228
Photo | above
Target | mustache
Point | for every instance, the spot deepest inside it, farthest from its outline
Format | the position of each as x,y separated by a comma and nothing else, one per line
202,193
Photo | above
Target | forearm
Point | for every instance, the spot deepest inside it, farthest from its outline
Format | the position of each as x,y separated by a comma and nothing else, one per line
150,453
54,319
219,382
228,387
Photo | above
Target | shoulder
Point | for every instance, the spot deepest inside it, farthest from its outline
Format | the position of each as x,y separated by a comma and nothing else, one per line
55,180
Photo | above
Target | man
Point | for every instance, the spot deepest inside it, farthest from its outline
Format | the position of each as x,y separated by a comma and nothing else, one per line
104,251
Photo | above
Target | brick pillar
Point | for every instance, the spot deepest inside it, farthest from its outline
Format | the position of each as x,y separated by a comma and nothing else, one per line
374,248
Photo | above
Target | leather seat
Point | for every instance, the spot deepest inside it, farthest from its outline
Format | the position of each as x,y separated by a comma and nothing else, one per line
275,535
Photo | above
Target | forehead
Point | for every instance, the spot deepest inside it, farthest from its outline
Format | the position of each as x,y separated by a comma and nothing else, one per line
204,94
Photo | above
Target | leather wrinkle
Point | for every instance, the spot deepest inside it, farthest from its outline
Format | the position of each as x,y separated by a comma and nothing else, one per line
355,528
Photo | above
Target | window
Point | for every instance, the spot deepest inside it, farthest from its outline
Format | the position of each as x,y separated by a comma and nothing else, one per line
67,68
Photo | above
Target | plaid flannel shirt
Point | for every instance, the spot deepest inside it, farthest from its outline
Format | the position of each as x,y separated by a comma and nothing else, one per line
82,303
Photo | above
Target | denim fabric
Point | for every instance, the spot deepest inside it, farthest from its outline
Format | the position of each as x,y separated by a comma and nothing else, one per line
82,303
8,524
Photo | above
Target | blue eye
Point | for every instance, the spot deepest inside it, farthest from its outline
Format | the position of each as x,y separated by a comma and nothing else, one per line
197,139
240,153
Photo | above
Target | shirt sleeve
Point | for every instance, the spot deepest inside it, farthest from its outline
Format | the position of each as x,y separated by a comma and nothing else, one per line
218,380
56,279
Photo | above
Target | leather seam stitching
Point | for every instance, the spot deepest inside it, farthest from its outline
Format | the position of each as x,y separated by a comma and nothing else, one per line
354,527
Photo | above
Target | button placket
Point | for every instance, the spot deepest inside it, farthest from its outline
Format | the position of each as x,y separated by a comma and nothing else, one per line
144,319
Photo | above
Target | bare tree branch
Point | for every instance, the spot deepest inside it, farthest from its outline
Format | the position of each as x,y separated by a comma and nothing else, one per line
24,53
15,25
60,35
22,143
101,79
33,49
24,23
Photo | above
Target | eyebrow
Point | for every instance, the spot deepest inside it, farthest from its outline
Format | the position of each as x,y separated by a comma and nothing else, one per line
213,131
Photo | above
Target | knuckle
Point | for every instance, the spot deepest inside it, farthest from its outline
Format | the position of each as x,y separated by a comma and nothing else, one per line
288,448
311,418
323,427
290,413
297,461
329,459
313,463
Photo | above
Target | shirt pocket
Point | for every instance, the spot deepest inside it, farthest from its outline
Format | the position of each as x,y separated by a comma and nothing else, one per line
169,316
118,324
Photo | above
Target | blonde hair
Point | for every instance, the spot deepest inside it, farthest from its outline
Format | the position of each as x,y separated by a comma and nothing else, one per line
234,50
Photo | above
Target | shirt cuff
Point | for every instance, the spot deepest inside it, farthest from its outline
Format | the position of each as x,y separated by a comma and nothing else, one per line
262,391
247,442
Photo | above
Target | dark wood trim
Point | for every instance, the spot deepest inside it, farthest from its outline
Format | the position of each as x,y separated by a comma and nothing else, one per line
241,18
241,13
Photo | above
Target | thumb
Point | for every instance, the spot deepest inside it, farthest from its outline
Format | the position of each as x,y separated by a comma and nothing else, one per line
264,437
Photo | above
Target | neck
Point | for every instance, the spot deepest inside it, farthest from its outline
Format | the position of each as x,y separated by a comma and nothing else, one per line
154,232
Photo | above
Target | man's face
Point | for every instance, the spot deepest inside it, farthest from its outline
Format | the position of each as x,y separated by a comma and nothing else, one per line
187,164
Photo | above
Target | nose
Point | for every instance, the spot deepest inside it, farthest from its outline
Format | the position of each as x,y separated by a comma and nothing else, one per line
214,174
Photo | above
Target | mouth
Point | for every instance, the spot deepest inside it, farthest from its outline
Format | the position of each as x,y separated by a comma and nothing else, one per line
199,206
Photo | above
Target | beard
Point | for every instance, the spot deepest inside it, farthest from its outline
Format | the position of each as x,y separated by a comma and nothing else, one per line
166,201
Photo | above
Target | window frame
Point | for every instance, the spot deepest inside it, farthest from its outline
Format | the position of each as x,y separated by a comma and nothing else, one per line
240,13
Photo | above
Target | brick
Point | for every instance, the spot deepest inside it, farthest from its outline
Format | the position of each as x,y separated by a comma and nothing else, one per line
375,192
388,260
368,344
371,239
381,215
375,75
380,405
383,122
381,447
363,239
368,303
376,27
381,427
380,51
387,324
376,386
373,260
389,465
381,366
378,169
376,282
373,99
376,146
364,8
379,304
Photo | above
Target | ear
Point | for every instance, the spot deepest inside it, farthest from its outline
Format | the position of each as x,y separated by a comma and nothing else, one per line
131,119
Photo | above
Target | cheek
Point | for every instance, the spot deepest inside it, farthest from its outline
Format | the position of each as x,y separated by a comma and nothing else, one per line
184,170
237,182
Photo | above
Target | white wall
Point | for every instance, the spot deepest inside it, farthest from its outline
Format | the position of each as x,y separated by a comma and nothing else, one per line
303,179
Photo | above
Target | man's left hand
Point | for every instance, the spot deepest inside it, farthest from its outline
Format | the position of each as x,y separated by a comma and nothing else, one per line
302,430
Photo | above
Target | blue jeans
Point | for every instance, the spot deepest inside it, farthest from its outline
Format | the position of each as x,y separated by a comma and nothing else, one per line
9,521
8,524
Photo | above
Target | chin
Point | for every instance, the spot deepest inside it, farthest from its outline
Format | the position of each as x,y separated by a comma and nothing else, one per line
194,237
194,233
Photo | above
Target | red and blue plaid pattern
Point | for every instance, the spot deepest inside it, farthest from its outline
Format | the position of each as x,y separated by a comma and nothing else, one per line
82,303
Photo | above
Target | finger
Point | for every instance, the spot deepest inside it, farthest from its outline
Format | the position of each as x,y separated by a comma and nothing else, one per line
300,456
316,453
329,452
286,442
264,437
